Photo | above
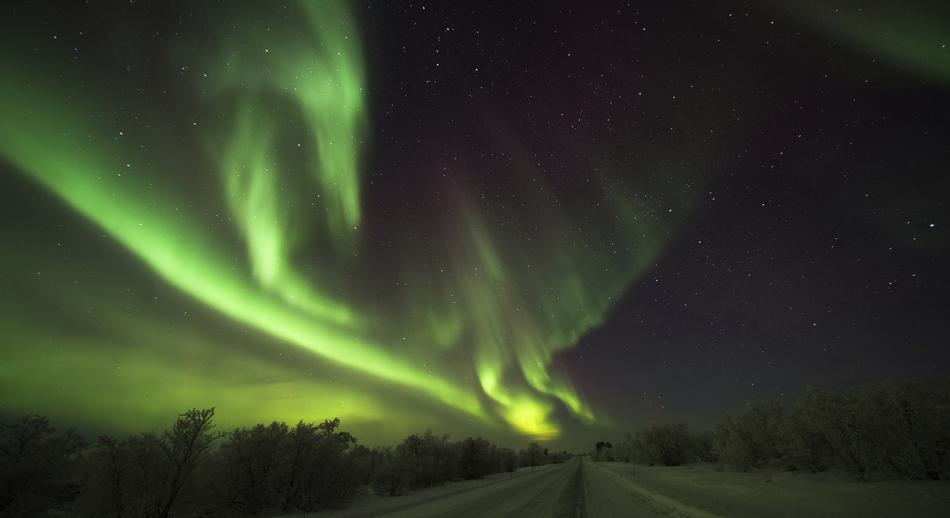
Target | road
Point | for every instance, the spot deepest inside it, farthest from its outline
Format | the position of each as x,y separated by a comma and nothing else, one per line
574,489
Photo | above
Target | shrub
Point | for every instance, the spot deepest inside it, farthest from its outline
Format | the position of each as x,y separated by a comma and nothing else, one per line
430,459
533,455
889,430
667,445
392,475
305,468
753,438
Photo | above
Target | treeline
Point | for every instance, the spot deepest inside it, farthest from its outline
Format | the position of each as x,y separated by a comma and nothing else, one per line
665,445
428,460
193,470
878,431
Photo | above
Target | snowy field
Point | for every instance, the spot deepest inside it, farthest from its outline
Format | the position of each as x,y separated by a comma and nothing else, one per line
786,494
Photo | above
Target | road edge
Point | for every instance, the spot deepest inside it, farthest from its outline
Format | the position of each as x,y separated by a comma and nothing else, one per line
662,503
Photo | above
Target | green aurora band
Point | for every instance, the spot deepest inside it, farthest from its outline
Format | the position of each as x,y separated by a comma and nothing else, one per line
903,36
475,330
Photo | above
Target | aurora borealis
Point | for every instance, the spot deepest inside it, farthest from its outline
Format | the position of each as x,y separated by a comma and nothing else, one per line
307,210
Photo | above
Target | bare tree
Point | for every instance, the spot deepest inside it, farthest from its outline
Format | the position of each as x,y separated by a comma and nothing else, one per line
146,475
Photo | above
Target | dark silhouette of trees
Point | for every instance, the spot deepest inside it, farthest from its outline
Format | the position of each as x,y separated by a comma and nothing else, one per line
392,474
431,459
259,470
149,475
474,458
425,460
509,460
887,430
559,457
878,431
183,446
37,466
503,460
365,462
667,445
320,473
890,430
752,438
273,468
534,455
247,467
603,451
809,444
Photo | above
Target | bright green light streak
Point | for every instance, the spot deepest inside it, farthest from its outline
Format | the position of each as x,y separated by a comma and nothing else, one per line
259,203
84,171
322,74
512,304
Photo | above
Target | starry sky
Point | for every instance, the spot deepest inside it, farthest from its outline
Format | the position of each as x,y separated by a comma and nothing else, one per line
514,219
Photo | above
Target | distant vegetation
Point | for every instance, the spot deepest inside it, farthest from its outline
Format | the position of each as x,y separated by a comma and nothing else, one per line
665,445
894,430
193,470
897,430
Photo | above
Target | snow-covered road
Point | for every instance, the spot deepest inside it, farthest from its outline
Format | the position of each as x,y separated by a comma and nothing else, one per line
577,488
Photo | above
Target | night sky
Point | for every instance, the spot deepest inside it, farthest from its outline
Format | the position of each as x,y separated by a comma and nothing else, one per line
549,220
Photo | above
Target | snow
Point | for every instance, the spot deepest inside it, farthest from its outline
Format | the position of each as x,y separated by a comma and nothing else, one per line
569,489
582,487
786,494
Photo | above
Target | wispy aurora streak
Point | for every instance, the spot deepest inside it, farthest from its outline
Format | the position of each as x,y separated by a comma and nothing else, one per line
499,306
902,36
